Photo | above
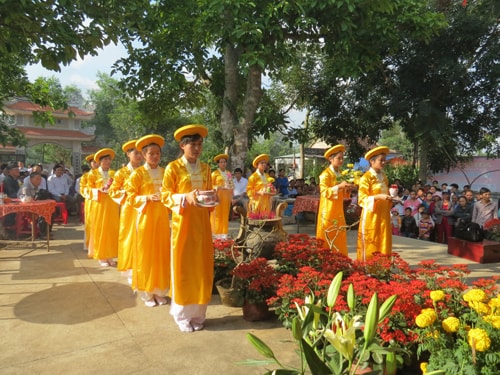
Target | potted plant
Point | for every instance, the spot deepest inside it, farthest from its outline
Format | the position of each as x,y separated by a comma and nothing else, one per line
255,281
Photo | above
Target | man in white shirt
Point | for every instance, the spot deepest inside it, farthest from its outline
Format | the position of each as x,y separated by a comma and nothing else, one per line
58,186
36,169
240,183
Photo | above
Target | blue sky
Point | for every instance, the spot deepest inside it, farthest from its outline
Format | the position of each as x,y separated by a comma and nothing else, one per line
82,73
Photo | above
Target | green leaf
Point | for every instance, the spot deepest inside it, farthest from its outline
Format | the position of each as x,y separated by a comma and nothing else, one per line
371,319
316,364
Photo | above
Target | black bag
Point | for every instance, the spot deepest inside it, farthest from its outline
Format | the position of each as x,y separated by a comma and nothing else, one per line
42,195
470,232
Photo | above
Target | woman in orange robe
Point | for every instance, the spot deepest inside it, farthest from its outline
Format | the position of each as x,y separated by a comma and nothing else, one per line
223,182
375,231
191,248
260,201
151,257
103,244
331,203
87,194
127,232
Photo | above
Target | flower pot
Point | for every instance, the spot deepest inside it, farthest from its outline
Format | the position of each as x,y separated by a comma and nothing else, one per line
228,296
254,312
264,235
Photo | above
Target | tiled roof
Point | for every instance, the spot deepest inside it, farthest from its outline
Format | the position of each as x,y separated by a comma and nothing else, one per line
19,105
49,133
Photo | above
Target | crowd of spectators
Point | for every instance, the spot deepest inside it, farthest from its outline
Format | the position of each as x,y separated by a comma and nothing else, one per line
436,212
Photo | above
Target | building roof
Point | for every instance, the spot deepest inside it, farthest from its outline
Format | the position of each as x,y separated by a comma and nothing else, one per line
23,105
55,134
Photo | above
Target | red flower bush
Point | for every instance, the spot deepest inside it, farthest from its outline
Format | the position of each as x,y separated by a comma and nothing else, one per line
256,280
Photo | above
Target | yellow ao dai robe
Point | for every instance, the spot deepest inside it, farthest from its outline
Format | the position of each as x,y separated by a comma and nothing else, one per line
258,204
105,218
331,212
375,232
151,257
127,232
87,194
219,217
192,254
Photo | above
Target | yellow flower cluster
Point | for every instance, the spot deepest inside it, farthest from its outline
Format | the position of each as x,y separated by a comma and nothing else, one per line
350,175
477,295
437,295
451,324
426,318
478,339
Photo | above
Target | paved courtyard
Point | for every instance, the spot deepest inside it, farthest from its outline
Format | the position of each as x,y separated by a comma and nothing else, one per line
62,313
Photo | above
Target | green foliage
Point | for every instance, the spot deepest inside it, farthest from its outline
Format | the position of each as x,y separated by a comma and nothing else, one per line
408,174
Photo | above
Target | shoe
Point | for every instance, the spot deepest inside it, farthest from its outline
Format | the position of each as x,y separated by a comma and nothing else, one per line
103,263
111,262
197,326
150,303
160,300
185,327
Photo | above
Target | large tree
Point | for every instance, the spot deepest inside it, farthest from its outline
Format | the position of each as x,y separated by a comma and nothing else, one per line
184,48
445,93
54,33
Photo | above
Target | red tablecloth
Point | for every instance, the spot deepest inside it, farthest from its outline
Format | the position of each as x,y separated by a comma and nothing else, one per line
309,203
43,208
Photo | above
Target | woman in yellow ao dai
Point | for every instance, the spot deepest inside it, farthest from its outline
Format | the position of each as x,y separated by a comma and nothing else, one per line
222,181
260,203
127,233
331,203
103,242
151,257
192,248
375,229
87,194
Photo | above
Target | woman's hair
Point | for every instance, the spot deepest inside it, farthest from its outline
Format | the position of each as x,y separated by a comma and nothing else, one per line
145,148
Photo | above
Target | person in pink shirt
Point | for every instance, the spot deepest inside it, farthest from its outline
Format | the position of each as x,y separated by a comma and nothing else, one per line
413,202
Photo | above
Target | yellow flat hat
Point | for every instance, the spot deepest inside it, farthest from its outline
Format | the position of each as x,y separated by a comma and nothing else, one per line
103,152
259,158
129,145
221,156
190,130
377,151
89,158
149,139
333,150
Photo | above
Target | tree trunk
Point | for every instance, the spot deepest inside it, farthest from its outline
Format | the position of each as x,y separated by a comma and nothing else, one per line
422,166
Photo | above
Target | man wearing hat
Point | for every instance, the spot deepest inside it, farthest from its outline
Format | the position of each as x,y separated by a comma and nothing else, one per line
223,182
191,247
258,183
375,230
331,220
151,256
126,236
103,241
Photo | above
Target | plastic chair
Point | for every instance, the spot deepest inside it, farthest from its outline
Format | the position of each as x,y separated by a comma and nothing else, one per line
61,213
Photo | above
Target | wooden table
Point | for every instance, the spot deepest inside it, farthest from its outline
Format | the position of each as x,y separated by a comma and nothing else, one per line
306,203
43,208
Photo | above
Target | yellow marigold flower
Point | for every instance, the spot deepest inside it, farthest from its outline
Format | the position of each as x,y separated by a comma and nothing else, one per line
493,320
345,172
451,324
270,180
478,339
478,295
437,295
424,320
423,367
481,307
494,302
350,166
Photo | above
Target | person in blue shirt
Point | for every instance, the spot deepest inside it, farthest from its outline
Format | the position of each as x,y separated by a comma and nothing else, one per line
282,183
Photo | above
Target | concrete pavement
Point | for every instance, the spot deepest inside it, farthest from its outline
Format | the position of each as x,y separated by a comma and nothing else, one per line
62,313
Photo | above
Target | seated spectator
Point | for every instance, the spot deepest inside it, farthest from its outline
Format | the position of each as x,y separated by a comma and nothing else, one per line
282,183
58,186
240,183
